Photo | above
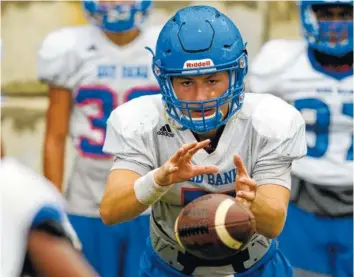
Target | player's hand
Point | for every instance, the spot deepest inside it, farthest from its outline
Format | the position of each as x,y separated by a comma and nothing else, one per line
179,167
245,186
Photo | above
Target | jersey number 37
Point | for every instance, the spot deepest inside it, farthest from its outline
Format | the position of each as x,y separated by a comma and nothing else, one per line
106,101
321,127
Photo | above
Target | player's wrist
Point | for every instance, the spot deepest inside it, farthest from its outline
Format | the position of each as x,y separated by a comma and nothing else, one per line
147,190
159,179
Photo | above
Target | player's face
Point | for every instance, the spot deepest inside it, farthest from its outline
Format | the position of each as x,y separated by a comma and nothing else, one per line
334,13
202,88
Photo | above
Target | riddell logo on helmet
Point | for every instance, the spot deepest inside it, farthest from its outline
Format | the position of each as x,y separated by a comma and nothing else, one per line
198,63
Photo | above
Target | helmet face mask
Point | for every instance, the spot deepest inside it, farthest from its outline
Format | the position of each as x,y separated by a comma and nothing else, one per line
117,16
328,26
197,41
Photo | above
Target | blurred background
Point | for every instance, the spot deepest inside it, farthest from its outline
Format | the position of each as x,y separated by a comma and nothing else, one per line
24,24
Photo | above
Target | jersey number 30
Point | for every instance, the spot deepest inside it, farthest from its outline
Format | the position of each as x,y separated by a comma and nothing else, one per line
106,101
321,127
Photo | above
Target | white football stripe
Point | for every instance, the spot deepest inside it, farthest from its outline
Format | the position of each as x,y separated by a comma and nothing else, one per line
177,235
220,217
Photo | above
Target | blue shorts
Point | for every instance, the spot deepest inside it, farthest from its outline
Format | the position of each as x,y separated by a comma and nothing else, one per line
316,244
113,251
273,264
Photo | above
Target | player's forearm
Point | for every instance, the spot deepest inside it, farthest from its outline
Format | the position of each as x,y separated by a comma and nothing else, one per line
120,206
53,161
270,214
54,256
119,202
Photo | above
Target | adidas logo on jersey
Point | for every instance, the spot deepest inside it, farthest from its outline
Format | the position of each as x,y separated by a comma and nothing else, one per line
166,131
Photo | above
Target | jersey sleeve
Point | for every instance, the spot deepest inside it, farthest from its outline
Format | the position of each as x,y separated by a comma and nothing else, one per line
56,59
274,58
127,144
279,145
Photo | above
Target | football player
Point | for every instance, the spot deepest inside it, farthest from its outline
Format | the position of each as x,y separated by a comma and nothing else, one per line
35,233
90,70
316,76
203,135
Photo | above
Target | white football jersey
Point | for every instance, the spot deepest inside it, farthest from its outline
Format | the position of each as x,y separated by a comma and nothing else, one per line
101,76
283,68
25,196
267,132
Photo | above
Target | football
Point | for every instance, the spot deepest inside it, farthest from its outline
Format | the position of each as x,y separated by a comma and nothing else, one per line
214,226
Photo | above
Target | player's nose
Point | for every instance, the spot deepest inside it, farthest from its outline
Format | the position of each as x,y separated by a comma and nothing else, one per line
201,93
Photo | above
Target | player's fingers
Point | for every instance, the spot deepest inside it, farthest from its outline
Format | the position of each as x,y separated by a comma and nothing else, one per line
243,201
204,169
241,168
176,156
182,151
190,153
188,156
247,195
200,145
187,147
249,182
241,185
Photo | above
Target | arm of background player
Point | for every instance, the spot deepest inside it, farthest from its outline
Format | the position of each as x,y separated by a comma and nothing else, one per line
119,202
57,128
54,256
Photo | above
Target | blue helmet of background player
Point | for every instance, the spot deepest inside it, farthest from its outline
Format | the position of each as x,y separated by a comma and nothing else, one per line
329,36
200,40
117,17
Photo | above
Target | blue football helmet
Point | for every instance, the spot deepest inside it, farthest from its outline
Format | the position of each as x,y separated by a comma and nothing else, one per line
319,33
200,40
113,17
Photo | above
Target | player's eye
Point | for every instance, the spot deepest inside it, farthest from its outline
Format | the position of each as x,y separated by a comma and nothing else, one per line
186,83
212,82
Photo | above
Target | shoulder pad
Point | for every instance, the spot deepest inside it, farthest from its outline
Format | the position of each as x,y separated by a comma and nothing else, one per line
58,42
274,118
138,116
275,56
56,60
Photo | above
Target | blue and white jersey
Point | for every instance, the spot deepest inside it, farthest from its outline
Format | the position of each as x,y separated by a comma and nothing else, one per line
283,68
267,133
101,76
27,199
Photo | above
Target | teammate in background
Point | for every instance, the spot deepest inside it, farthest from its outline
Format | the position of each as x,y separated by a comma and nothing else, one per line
91,70
34,234
316,76
204,135
37,238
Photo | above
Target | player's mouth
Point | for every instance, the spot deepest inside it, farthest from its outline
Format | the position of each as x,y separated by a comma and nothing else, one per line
199,113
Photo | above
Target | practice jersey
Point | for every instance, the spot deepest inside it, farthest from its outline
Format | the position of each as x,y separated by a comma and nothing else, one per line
283,68
27,200
267,133
101,76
